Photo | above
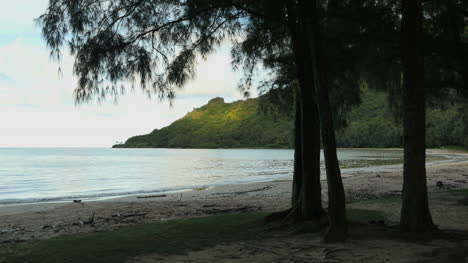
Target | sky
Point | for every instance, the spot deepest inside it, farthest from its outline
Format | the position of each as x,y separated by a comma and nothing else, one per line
36,102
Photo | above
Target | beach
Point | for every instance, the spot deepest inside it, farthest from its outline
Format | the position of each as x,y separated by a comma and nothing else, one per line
364,187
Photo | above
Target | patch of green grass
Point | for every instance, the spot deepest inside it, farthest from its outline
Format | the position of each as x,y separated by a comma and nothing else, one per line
382,200
365,215
170,237
456,148
203,188
451,195
346,164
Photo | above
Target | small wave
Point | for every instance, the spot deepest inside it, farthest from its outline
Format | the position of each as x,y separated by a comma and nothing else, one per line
91,197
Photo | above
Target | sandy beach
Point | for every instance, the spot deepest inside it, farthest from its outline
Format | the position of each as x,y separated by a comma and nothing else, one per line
37,221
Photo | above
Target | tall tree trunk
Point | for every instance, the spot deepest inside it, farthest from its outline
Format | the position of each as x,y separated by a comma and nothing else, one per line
311,207
310,189
415,215
338,228
297,175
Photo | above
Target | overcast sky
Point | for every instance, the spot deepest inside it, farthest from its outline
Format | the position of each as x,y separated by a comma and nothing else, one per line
37,107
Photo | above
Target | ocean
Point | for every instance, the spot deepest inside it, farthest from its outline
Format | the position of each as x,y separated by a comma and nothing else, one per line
30,175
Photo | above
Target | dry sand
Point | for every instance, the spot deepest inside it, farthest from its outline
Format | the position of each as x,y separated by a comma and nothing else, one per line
37,221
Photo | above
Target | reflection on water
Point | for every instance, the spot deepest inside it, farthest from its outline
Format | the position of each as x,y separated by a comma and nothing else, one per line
32,174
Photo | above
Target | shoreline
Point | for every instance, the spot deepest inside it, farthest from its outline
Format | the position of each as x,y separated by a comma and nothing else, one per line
377,189
24,222
203,192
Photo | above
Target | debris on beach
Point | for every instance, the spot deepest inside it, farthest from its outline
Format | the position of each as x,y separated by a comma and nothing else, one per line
151,196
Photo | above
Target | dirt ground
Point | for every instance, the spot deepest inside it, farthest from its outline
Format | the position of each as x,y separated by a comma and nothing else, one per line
364,186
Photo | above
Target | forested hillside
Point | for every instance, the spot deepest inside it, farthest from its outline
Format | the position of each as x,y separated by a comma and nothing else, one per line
221,125
242,125
373,124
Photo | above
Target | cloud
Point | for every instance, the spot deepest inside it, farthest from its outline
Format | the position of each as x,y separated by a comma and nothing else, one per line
4,77
37,107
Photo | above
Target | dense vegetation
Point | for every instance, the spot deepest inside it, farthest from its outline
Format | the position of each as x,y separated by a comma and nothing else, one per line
242,124
373,124
221,125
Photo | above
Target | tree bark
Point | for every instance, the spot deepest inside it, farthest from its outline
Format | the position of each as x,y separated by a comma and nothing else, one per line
310,188
338,227
415,214
297,175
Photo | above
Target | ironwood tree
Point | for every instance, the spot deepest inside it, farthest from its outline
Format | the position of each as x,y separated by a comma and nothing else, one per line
415,214
156,44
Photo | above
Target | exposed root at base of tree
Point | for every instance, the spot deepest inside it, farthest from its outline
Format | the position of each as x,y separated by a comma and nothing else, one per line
335,233
294,224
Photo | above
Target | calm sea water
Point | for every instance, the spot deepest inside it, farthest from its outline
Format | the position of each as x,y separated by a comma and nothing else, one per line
59,174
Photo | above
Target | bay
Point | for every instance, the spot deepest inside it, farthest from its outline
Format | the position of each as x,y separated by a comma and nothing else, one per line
29,175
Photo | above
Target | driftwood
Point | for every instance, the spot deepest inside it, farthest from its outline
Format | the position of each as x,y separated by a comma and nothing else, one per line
237,209
281,255
90,221
211,205
244,192
129,215
151,196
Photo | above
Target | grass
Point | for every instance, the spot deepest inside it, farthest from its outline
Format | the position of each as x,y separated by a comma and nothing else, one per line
456,148
365,215
170,237
202,188
346,164
451,195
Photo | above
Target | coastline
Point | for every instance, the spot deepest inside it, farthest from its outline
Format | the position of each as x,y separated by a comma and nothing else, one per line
352,179
26,221
374,189
349,167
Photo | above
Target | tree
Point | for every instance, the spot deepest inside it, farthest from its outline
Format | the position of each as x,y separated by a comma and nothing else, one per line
307,195
415,214
157,43
338,228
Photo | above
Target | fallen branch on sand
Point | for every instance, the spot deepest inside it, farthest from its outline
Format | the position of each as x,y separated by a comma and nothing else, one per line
281,255
245,192
151,196
211,205
129,215
237,209
90,221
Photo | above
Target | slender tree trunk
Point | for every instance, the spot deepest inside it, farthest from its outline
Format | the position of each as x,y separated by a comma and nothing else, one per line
310,189
338,228
310,134
415,215
297,175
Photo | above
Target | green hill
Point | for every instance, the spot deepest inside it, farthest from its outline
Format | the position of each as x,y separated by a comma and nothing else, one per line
241,124
221,125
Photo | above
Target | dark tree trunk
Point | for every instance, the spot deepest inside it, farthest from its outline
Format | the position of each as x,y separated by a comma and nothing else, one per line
415,215
297,175
311,197
338,228
310,204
